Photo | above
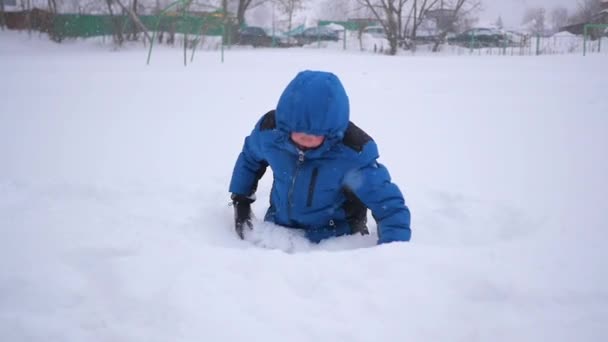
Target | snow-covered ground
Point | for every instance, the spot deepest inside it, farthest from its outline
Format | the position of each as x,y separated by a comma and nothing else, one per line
114,223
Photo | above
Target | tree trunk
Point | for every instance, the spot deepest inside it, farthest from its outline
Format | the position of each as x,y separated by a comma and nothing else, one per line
185,9
116,25
52,6
291,11
241,10
136,20
28,16
415,27
2,19
439,40
399,13
46,22
444,34
157,11
134,29
360,36
406,32
171,38
393,35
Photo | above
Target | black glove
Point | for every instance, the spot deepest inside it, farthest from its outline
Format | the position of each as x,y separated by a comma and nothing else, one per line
242,213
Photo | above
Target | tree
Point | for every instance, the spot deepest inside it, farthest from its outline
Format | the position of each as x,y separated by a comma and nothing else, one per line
534,19
135,19
390,14
27,6
559,18
134,9
117,27
243,6
418,13
459,16
289,7
499,24
52,4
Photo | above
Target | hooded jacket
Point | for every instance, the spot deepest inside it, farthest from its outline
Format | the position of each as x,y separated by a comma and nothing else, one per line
316,189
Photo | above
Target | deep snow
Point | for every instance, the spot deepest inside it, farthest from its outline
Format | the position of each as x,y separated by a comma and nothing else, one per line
115,224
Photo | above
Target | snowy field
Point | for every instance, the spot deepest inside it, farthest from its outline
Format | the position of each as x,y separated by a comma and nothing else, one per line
115,224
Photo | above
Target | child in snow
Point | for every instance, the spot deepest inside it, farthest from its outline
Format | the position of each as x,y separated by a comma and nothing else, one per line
325,171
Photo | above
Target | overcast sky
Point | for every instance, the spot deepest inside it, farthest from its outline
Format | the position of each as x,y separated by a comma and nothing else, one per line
512,10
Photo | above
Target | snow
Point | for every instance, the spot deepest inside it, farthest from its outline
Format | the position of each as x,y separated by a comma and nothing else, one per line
565,35
114,223
335,27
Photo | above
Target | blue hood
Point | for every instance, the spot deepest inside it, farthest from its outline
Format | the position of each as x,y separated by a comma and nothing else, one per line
314,102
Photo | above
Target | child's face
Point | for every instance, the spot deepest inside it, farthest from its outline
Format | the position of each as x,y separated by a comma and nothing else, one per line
307,140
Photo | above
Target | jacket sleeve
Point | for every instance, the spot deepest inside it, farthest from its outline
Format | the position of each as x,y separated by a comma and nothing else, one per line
250,165
372,184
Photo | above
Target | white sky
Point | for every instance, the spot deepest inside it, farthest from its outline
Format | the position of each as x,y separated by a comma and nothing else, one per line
512,10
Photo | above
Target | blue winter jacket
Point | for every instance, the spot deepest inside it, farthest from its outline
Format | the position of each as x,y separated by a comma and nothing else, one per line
312,189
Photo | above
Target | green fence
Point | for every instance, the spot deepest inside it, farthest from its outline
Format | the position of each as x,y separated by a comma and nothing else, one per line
533,46
594,30
83,26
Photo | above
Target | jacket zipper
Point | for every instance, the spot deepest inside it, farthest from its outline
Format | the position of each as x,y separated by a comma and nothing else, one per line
311,187
293,182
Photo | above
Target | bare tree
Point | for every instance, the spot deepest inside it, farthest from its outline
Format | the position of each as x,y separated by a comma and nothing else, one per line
390,15
534,18
559,18
134,28
459,12
499,24
27,6
117,33
418,13
289,7
243,6
52,4
224,6
135,19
